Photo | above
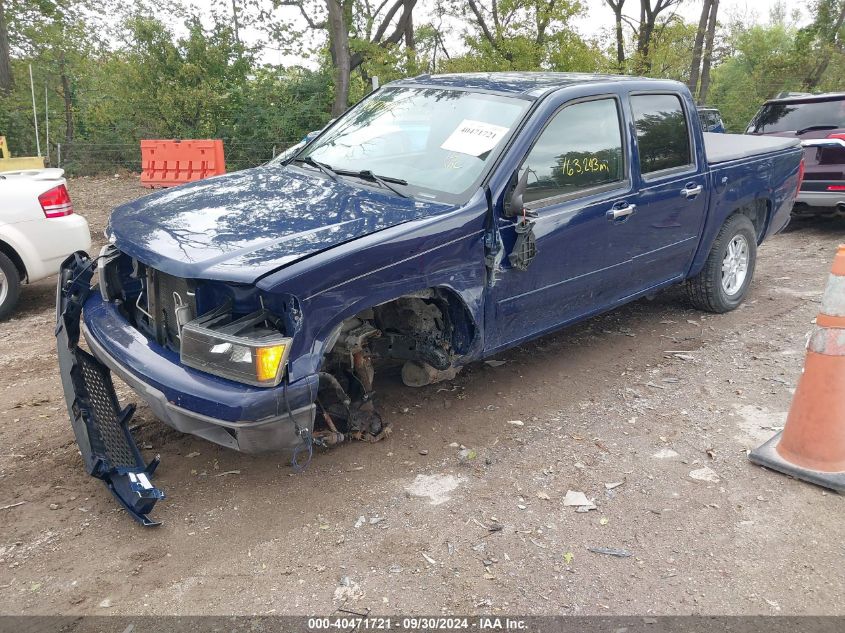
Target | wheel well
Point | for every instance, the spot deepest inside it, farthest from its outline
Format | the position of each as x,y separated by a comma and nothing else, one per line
438,316
10,252
426,331
758,213
419,312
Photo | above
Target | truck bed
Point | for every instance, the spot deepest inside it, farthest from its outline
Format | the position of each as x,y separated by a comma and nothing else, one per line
721,148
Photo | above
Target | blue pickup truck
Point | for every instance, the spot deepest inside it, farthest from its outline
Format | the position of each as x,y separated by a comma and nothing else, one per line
439,221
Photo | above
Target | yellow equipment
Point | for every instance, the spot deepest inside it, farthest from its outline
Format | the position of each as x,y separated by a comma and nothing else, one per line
7,163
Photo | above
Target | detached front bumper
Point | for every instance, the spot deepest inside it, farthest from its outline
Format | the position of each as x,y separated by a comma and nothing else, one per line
238,416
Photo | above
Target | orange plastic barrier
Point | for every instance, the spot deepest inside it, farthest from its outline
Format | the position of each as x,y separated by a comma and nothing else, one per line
167,163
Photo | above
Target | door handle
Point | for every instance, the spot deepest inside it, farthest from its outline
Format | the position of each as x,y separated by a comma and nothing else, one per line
616,214
691,192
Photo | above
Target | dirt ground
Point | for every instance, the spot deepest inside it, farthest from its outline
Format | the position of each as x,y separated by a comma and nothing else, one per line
644,396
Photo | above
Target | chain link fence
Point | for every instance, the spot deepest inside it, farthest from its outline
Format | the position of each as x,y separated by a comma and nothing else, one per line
80,158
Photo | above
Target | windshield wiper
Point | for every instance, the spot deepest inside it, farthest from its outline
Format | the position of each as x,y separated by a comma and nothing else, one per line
326,169
824,126
384,181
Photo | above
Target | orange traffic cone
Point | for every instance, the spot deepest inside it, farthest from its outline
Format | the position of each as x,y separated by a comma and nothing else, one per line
812,444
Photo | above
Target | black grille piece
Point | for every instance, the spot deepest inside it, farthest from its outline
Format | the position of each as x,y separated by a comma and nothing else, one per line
108,435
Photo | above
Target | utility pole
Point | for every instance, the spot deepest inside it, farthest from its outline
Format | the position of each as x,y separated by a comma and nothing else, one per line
47,124
34,111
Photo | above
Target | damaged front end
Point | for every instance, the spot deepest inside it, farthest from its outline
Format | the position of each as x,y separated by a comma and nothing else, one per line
211,359
100,425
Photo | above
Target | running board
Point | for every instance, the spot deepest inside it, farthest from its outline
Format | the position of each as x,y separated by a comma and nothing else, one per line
101,427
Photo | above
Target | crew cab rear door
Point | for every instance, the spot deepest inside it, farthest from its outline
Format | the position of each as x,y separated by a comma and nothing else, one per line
673,189
579,193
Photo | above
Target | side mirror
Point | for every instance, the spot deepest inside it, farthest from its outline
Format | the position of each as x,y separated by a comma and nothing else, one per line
514,203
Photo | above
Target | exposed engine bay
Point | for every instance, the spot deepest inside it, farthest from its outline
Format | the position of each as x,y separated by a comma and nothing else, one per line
414,332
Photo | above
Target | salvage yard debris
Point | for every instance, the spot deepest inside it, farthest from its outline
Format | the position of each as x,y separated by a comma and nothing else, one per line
579,501
348,590
705,474
611,551
435,487
228,472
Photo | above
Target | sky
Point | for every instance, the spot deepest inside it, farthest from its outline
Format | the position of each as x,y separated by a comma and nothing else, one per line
599,16
596,22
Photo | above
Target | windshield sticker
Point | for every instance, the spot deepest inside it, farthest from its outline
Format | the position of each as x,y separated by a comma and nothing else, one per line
474,137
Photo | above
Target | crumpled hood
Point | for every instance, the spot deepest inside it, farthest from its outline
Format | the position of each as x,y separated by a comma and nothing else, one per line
243,225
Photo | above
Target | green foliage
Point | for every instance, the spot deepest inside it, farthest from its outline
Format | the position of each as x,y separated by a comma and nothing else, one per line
118,72
523,35
762,61
671,51
204,84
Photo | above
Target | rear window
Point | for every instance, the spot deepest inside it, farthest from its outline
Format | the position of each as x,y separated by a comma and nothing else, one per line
707,118
791,117
662,132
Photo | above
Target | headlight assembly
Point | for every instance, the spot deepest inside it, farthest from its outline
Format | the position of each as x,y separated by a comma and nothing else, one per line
246,349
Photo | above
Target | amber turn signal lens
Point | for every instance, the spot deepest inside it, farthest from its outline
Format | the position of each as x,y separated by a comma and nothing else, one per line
267,361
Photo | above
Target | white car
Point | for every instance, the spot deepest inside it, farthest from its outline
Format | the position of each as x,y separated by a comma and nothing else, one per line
38,230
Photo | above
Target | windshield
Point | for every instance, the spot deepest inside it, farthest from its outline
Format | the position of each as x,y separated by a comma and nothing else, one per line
439,141
794,116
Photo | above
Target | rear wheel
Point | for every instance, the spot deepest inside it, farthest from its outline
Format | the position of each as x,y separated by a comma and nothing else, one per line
723,283
10,286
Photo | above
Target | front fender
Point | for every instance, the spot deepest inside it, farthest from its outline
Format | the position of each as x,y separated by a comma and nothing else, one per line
451,258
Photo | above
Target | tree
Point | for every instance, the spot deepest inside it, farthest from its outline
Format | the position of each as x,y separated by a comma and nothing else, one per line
429,39
517,34
669,54
620,35
649,28
6,79
822,38
759,61
708,53
695,67
351,42
60,40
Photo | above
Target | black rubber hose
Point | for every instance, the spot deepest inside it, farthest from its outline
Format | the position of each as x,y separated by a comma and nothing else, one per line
327,380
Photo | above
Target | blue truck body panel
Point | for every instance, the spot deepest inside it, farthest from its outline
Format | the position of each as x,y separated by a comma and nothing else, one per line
334,248
240,226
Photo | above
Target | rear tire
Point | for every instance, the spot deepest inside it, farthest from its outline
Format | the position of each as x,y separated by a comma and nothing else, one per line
10,286
723,283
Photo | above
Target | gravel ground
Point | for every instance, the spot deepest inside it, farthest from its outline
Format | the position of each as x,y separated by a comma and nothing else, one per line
644,396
